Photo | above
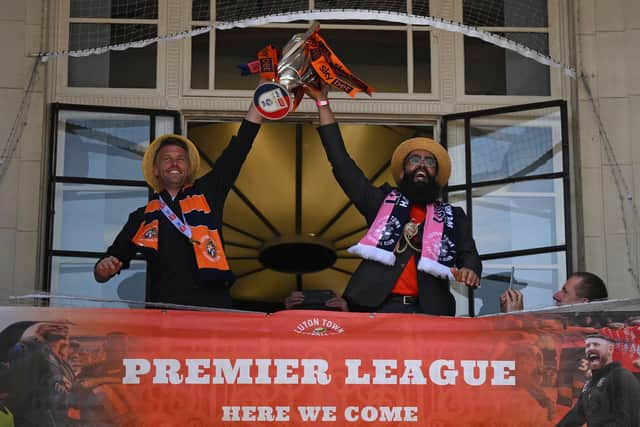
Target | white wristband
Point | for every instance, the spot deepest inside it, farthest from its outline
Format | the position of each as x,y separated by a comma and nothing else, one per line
322,102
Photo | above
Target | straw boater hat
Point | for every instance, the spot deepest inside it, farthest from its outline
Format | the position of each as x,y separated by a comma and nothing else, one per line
150,155
439,152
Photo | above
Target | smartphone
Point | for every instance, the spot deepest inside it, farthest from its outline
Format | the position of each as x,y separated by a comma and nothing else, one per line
316,299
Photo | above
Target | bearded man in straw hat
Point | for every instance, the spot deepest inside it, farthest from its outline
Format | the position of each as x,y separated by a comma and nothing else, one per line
179,230
415,244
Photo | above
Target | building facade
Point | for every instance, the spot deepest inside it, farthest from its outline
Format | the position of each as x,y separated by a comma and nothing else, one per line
550,186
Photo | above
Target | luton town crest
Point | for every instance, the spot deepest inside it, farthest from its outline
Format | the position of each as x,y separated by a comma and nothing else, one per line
211,248
151,233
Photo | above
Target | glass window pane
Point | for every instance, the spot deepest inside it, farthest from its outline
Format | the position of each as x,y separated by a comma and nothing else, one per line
130,68
74,277
87,36
88,217
492,70
505,13
164,125
455,146
461,295
200,61
386,72
101,145
395,6
239,46
125,9
515,216
384,6
516,145
537,276
421,62
232,10
420,7
201,10
459,199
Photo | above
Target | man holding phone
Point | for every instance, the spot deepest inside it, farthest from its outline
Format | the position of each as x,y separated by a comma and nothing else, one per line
580,287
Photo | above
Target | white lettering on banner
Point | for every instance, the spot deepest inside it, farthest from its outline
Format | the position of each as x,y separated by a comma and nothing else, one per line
228,371
441,376
133,369
502,372
412,373
167,371
311,413
255,413
383,370
441,372
370,414
196,373
263,371
469,370
318,327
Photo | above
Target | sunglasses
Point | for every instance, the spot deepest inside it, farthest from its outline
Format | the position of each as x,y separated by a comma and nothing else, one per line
415,160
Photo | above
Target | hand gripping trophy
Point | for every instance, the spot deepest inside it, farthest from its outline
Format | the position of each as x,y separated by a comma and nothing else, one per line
306,59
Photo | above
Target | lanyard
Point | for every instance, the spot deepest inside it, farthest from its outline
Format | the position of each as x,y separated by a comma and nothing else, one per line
182,226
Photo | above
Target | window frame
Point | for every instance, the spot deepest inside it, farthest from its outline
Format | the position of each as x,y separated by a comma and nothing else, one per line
468,186
300,27
62,63
53,178
553,31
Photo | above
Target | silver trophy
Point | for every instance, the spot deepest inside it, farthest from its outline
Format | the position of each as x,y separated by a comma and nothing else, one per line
274,100
304,62
294,69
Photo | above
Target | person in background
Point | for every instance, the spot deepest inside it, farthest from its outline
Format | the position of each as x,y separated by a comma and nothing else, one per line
580,287
611,397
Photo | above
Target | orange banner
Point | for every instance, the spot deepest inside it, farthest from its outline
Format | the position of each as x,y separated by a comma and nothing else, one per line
154,367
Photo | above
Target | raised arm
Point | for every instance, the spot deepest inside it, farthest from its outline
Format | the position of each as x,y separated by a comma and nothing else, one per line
217,183
364,195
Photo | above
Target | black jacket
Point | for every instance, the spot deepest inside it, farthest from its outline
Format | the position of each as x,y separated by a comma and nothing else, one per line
372,281
173,270
610,398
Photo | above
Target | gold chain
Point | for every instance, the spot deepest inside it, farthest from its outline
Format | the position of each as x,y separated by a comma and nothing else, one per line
408,233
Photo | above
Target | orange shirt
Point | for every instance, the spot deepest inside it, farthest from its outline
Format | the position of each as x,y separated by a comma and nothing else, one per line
407,283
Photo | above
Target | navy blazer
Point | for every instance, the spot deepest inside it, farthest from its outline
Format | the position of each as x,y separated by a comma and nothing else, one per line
372,281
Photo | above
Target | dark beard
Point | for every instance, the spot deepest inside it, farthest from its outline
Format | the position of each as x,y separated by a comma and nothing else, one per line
421,193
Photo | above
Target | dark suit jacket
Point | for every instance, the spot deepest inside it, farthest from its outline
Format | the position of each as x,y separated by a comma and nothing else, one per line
372,281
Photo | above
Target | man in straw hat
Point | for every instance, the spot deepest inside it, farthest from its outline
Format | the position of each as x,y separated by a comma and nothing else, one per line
415,244
179,230
611,397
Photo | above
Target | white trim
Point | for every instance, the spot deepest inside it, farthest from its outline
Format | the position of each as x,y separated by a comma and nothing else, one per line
350,14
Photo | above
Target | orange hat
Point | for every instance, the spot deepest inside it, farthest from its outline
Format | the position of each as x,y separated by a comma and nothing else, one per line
439,152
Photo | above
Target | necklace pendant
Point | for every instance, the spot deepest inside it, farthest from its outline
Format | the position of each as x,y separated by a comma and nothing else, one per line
410,229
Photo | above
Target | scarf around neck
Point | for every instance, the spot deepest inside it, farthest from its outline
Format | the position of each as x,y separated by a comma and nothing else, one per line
438,251
205,238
